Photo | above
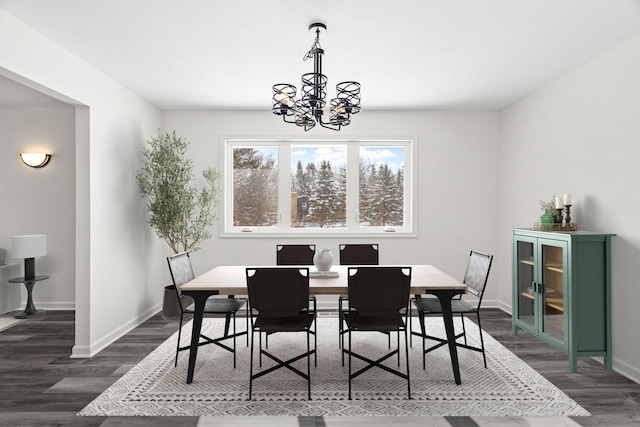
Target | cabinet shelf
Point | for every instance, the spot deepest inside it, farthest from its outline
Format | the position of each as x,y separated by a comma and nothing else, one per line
554,267
555,302
527,262
527,295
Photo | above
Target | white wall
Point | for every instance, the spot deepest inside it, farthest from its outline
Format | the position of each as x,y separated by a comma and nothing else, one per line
119,264
581,135
457,182
41,201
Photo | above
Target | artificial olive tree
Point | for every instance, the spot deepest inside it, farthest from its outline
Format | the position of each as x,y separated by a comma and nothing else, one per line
178,212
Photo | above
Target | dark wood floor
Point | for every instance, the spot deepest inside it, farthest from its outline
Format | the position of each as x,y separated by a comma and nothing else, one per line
40,385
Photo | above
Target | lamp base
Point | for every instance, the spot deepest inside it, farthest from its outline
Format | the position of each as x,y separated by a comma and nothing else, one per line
30,311
25,314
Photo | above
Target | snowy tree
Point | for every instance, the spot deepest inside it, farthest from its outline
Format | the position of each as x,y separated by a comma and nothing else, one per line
322,206
255,188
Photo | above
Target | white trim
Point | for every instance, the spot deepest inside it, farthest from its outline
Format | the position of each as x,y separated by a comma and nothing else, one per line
88,351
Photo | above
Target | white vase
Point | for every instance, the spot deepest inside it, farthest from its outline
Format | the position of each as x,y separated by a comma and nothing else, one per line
323,259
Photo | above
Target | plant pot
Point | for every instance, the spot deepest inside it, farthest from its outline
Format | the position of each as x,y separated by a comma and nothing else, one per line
170,304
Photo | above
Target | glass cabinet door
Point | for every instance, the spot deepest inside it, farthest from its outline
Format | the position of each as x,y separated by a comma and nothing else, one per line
526,270
553,318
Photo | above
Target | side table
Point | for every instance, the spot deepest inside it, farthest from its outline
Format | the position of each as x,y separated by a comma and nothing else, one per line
30,311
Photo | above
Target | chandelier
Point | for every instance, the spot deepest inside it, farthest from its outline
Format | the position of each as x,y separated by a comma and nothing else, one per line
307,111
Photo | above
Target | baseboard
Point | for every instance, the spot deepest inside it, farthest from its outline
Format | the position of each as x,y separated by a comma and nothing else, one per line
64,305
88,351
626,370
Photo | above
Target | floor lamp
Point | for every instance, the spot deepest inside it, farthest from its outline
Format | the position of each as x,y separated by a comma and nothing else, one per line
29,247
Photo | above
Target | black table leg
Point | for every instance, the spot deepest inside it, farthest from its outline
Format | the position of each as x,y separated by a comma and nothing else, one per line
227,320
200,299
445,296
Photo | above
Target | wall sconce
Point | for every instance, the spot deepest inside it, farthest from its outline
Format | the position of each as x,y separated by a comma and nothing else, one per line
35,160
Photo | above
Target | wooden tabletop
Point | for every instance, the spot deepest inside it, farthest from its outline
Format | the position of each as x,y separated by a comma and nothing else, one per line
231,280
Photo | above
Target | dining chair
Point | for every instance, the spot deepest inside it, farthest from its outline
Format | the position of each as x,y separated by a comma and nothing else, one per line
377,296
355,254
279,298
295,254
475,277
182,272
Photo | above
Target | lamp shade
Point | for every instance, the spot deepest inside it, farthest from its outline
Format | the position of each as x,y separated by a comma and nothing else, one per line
35,160
29,246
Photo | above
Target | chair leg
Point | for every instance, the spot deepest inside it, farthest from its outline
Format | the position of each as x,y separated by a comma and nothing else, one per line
484,356
178,344
339,322
406,347
398,348
251,363
260,347
234,340
315,343
424,334
342,349
246,314
349,363
464,330
410,325
309,366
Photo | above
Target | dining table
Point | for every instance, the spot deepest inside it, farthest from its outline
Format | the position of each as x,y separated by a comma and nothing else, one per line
231,280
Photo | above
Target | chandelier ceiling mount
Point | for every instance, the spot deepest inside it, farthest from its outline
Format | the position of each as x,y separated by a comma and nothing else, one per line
307,111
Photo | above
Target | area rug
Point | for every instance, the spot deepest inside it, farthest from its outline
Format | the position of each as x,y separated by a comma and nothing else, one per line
508,387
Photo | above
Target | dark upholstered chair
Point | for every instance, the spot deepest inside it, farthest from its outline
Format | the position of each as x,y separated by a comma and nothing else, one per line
475,278
377,297
181,273
295,254
359,254
355,254
279,299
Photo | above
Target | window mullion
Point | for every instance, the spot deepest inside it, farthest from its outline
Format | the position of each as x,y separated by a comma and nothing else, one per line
284,186
353,157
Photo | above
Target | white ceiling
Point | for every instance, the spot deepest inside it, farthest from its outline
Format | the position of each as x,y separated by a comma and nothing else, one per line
444,54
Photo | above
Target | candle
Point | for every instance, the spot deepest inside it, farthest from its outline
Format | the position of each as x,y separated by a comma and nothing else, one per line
558,202
567,199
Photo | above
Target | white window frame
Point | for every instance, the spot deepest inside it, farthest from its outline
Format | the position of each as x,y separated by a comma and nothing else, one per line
283,229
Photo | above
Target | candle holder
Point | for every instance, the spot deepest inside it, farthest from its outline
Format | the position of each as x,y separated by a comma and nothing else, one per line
567,214
557,218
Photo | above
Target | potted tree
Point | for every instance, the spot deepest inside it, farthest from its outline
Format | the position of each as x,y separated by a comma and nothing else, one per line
179,212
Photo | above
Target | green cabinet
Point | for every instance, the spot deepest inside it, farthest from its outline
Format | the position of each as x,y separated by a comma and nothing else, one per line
562,290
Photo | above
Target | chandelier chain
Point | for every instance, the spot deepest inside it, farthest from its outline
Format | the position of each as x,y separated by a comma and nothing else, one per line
315,45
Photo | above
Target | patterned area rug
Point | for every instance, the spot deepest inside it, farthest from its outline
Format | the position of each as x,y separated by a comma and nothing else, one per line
509,387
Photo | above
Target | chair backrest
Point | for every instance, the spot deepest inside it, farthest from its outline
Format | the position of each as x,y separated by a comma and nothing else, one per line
359,254
379,291
275,291
181,273
477,273
295,254
180,268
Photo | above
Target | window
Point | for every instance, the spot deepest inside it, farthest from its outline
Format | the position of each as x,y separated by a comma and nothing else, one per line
318,187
